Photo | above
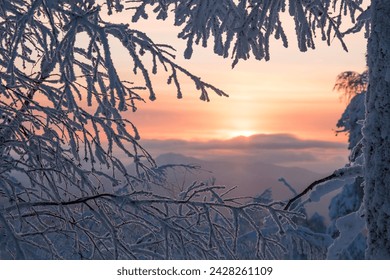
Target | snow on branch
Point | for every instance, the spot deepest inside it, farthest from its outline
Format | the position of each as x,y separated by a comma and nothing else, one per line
341,173
243,28
65,194
78,122
145,225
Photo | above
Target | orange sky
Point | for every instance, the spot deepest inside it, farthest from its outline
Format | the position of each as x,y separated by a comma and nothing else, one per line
292,93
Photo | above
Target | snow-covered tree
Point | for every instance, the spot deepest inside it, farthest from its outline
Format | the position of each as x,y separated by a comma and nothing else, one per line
350,84
353,87
376,134
346,206
244,28
59,143
64,191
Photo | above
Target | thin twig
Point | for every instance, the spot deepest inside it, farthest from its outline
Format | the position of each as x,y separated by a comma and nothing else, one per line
310,187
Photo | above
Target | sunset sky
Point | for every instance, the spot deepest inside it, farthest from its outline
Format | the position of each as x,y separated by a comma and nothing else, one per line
292,94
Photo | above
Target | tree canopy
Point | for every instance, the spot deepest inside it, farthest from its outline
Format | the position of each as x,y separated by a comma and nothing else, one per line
65,192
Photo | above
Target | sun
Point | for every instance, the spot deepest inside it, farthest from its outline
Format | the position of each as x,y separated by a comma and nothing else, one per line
246,133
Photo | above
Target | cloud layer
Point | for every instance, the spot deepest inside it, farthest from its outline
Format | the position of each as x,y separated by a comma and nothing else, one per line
282,149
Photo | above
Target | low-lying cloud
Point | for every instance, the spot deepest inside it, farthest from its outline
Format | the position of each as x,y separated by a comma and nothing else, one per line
282,149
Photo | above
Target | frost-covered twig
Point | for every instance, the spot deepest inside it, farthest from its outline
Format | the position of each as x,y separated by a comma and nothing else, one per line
243,28
145,225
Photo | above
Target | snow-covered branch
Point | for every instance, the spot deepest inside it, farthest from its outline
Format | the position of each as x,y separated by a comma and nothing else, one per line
342,173
243,28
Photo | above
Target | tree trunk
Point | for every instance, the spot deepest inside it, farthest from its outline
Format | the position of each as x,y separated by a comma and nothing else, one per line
376,133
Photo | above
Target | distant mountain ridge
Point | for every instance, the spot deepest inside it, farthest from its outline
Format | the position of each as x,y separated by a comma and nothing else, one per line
251,177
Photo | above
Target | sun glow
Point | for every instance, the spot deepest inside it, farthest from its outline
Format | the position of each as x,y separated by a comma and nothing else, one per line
245,133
